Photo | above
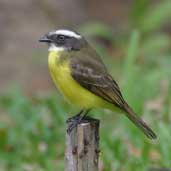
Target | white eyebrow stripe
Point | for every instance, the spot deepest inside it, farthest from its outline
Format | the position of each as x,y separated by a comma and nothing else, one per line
68,33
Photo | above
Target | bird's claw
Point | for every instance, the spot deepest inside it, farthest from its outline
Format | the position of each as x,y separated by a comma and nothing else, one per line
73,122
73,119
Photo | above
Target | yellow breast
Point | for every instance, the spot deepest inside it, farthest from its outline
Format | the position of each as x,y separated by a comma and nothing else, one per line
72,91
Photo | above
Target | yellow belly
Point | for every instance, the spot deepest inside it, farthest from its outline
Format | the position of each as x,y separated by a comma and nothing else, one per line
72,91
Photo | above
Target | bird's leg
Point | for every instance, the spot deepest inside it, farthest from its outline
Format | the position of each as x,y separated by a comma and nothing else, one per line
85,114
75,117
76,120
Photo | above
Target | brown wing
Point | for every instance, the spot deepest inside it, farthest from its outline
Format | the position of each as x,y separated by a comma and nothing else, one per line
91,74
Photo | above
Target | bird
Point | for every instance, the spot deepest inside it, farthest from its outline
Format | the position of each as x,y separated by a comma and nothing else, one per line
79,73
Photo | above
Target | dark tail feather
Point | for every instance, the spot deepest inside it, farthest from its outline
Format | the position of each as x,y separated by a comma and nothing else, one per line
140,124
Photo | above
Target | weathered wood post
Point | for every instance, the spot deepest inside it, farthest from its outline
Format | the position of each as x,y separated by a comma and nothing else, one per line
82,151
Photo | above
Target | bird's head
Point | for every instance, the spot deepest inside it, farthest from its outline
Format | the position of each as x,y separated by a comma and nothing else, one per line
63,40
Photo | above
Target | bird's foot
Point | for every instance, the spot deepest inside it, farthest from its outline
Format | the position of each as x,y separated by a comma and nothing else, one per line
73,122
76,117
73,118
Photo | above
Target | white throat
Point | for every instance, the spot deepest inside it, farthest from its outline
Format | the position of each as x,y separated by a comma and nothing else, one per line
53,48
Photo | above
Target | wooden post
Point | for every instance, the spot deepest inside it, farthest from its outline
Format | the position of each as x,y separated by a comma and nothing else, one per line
82,151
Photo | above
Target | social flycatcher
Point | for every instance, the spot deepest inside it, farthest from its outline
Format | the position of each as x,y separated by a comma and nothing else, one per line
82,78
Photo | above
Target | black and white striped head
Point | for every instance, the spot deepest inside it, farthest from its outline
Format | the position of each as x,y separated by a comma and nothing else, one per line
63,40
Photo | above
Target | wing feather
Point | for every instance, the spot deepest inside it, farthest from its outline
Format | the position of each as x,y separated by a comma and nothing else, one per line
92,75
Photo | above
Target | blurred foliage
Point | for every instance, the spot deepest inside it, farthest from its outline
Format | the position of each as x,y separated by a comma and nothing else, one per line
149,18
32,129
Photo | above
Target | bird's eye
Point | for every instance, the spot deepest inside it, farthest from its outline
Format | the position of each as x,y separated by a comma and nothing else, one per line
61,38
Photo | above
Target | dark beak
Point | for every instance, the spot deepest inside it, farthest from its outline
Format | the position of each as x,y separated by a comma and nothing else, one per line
45,39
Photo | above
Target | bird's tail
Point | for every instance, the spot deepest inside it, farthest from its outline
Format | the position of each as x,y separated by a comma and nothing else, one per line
140,123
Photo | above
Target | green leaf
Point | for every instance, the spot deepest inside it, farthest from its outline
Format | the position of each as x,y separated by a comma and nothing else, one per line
156,16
